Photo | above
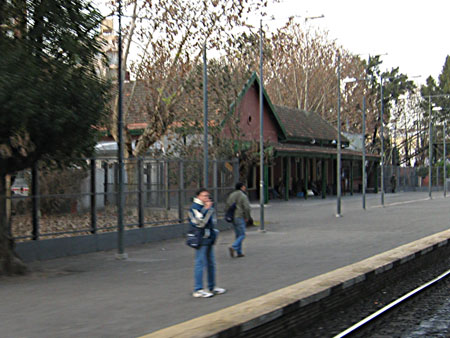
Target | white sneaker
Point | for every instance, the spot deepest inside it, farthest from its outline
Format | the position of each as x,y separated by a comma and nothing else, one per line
218,291
202,294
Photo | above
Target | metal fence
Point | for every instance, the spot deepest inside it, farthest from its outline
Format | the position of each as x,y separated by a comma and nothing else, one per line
62,203
398,178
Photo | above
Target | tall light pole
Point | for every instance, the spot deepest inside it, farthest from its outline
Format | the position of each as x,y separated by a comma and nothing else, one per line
261,123
205,119
338,158
430,146
120,203
261,130
363,164
444,132
382,139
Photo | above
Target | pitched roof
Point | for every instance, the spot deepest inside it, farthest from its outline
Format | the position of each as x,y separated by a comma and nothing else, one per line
254,81
317,151
302,126
295,125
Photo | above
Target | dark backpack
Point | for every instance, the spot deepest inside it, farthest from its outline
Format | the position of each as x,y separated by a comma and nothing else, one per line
229,214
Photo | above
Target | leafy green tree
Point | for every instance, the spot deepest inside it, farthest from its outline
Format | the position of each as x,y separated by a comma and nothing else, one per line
434,94
444,77
444,88
395,85
51,98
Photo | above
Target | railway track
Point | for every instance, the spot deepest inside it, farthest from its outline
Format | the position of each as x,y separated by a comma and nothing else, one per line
371,324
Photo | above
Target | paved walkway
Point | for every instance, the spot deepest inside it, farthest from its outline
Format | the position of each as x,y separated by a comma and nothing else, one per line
95,295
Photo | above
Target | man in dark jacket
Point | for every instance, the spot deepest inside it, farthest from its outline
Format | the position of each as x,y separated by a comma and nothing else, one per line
202,218
241,217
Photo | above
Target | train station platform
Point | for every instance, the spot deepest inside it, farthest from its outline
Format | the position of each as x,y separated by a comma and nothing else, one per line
95,295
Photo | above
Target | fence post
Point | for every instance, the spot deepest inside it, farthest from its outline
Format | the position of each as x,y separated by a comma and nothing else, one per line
323,178
180,192
437,176
35,200
266,184
140,192
159,183
149,184
200,174
375,167
166,184
215,188
93,197
351,177
105,184
305,181
116,184
6,203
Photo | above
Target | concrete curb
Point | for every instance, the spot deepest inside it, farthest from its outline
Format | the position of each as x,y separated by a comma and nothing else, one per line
256,316
45,249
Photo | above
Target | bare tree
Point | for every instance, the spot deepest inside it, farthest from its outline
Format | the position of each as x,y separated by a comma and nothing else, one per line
303,74
170,36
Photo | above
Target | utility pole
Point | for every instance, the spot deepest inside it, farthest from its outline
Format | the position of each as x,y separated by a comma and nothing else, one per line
120,227
445,157
430,146
205,119
338,159
382,139
363,164
261,131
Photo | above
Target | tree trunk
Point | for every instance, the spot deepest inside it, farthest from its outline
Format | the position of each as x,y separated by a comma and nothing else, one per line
9,262
297,91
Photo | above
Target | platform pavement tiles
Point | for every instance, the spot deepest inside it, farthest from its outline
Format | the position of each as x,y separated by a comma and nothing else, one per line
255,312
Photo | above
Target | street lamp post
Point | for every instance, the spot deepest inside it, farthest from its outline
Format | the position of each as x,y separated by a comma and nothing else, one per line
363,164
261,130
364,179
205,119
338,159
261,124
444,131
430,146
120,205
382,136
382,140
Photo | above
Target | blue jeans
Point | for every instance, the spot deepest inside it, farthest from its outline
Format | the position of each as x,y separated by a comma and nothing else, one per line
204,259
239,230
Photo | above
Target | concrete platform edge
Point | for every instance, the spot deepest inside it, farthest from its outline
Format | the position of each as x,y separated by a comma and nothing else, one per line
333,289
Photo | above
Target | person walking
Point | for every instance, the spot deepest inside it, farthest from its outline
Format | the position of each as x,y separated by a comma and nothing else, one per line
393,183
241,217
202,218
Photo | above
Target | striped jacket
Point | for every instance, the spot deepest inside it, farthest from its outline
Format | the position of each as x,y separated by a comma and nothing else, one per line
202,220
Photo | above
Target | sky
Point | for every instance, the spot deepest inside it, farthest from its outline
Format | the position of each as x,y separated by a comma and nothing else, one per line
412,33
